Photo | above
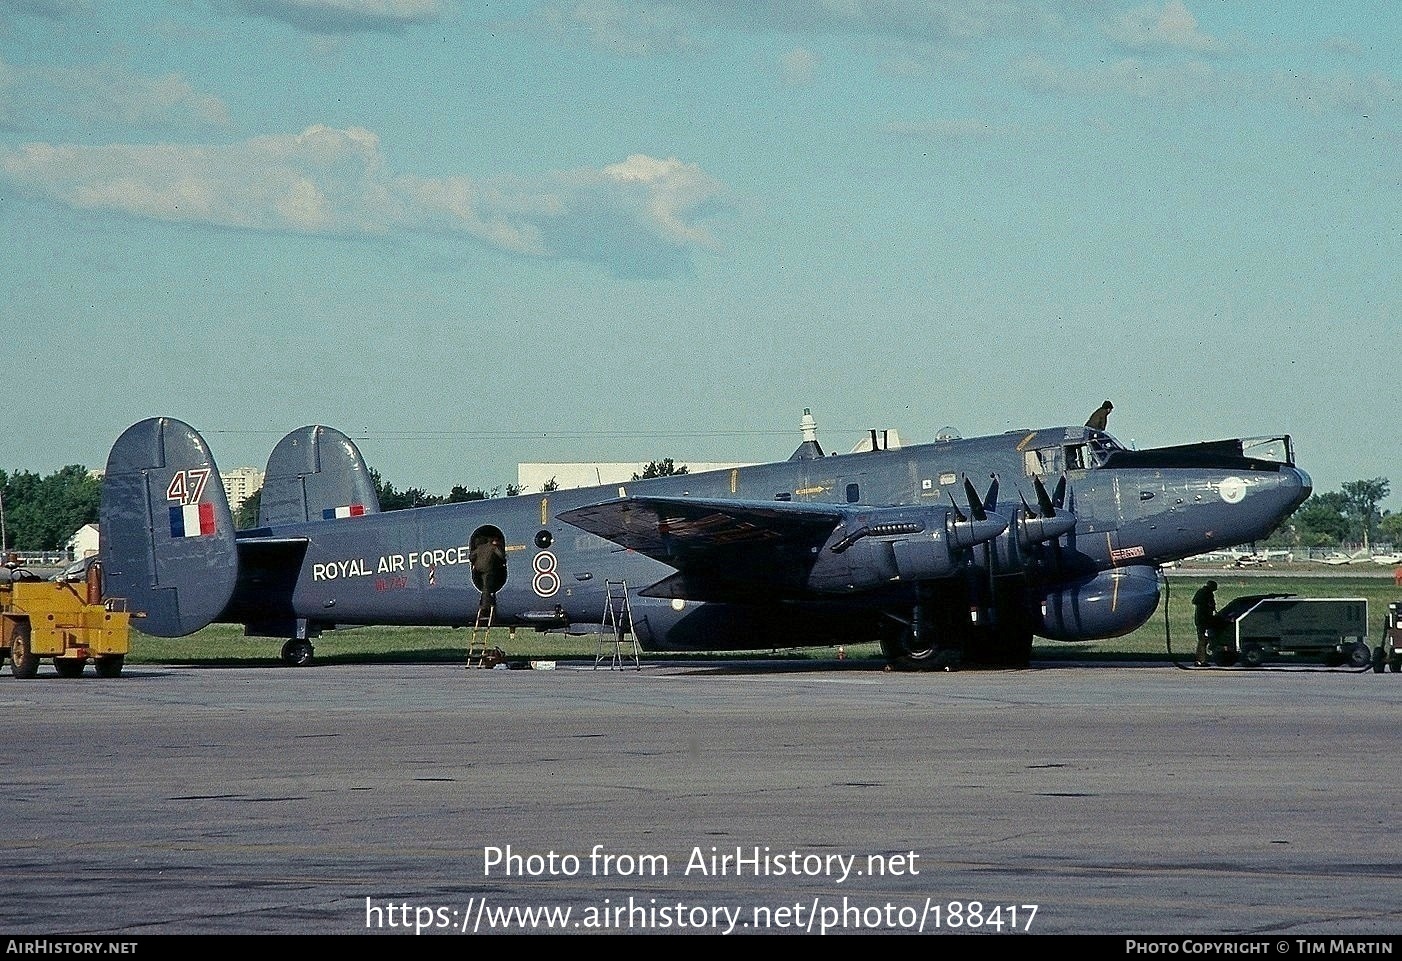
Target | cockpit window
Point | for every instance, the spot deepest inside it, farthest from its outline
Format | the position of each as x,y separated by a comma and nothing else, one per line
1099,447
1078,456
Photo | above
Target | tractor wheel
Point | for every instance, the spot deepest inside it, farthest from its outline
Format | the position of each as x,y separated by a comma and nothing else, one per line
23,661
70,666
109,665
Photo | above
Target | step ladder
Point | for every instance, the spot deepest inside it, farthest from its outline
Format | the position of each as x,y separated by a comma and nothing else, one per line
477,645
615,623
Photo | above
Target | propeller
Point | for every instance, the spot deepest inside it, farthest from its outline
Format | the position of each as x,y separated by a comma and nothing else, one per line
985,524
1045,523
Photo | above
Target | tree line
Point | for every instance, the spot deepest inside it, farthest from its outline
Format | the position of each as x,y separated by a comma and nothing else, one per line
390,498
1348,516
41,513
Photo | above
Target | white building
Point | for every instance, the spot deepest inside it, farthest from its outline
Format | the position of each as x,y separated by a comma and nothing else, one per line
532,478
83,543
240,484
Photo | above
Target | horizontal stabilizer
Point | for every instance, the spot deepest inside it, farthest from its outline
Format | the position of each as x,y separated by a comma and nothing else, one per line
167,537
316,473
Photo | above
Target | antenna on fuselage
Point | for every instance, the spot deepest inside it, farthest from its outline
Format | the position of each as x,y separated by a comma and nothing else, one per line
809,449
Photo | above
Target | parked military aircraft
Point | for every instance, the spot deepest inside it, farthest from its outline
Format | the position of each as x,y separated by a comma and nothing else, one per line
953,552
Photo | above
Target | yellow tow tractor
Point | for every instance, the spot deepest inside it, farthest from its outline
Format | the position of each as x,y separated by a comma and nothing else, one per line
67,620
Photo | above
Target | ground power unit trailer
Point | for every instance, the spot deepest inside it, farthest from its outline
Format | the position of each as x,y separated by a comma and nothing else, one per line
1259,628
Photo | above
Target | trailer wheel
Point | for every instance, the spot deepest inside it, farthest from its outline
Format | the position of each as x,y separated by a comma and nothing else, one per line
1253,657
23,661
1396,664
1359,656
109,665
70,666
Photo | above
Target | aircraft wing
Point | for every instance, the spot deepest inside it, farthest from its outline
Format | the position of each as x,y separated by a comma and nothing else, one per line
722,549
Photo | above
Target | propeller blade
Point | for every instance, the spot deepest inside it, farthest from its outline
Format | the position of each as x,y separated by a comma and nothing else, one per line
1059,498
975,505
990,500
958,514
1044,500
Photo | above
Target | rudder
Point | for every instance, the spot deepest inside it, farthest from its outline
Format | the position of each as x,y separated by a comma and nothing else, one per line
166,532
315,473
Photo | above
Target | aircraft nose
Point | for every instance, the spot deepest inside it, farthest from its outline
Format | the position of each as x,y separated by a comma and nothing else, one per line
1295,485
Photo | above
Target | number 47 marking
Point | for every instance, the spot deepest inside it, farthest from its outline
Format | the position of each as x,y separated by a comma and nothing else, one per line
187,485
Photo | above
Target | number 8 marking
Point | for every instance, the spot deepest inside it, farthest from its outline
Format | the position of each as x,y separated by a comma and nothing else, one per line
546,582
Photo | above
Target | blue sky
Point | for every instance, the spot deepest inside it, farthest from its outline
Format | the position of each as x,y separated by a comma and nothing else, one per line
473,234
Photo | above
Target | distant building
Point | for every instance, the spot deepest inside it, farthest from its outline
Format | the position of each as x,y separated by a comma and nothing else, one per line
240,484
83,543
532,478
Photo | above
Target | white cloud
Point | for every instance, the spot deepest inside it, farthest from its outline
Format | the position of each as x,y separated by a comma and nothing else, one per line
626,29
951,130
798,67
1198,81
48,9
1150,29
639,216
636,27
104,95
346,16
1344,46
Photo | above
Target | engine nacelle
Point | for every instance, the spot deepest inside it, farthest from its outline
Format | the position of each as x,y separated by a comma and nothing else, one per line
1110,604
878,546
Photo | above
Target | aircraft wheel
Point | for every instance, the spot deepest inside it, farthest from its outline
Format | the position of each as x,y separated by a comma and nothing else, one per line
23,661
903,652
1359,656
70,666
109,665
297,652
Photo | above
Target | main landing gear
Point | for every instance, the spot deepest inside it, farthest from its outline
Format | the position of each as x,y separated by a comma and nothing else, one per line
947,631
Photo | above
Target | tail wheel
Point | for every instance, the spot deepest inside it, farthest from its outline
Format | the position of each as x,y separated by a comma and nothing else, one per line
23,661
297,652
109,665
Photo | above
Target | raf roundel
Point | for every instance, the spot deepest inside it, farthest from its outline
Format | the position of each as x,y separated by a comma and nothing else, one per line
1232,489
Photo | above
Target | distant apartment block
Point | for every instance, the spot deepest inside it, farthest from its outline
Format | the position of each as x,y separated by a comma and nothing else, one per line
240,484
533,478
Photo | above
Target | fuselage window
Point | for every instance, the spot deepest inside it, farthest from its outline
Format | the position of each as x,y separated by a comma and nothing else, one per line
853,493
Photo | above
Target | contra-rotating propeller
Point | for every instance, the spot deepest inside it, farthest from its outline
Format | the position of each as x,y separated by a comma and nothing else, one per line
1050,520
985,524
